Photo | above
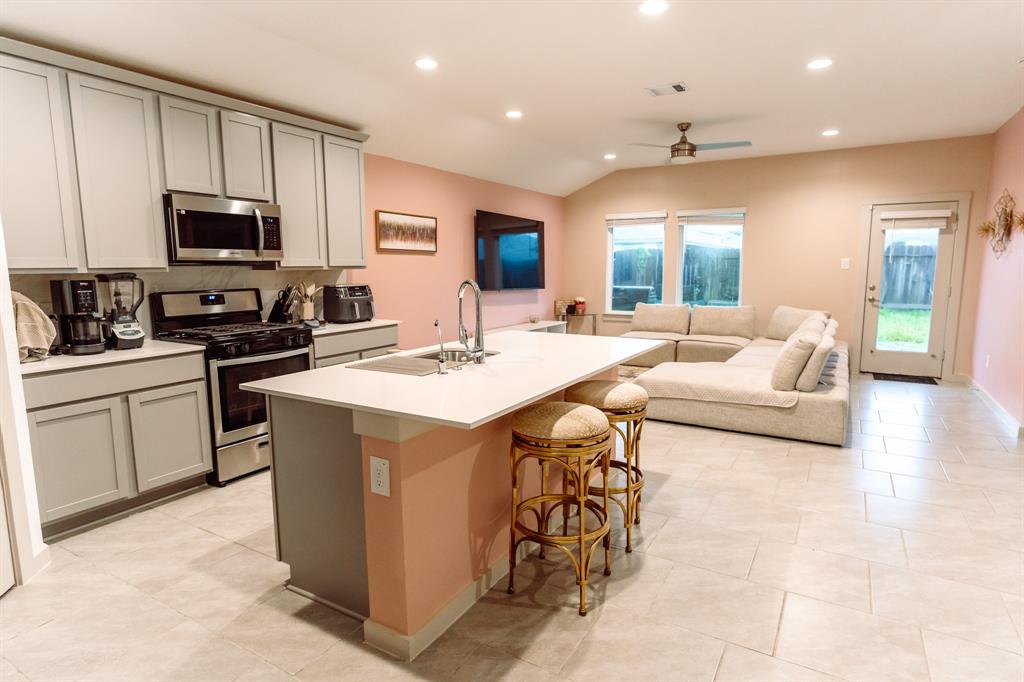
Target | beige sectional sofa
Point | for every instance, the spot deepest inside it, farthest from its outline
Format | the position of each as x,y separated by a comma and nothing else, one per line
796,386
700,334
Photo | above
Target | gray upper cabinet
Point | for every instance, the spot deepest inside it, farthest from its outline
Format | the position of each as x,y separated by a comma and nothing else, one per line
117,150
246,146
80,456
343,175
191,146
36,182
299,181
170,434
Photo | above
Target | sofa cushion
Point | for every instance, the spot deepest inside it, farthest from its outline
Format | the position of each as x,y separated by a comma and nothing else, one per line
661,318
814,325
723,321
665,352
808,380
708,348
832,327
792,360
785,320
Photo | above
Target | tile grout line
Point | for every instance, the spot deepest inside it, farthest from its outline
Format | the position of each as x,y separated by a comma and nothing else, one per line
778,625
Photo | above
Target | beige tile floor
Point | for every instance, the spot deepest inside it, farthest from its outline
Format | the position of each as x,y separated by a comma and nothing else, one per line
898,557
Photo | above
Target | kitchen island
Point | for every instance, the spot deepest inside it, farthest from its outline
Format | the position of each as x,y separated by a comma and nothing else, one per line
412,561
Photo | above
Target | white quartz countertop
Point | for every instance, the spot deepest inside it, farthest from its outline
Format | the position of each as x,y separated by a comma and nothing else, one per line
529,366
150,350
329,328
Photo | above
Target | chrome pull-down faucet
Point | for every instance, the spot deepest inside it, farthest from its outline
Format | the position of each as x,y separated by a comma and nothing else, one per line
477,352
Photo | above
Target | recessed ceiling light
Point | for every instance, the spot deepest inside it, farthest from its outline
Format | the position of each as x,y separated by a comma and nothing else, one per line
819,64
831,132
651,7
609,157
426,63
514,114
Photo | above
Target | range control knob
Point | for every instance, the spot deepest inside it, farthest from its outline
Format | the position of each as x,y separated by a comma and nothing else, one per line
244,347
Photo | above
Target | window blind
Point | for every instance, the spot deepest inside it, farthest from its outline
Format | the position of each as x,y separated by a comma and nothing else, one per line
641,218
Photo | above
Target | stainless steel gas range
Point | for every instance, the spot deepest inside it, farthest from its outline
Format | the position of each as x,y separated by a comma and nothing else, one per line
240,347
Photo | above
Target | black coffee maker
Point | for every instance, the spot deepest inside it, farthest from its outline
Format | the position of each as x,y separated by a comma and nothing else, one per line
77,309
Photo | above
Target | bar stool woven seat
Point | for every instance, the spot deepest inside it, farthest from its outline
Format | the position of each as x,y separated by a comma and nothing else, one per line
617,396
576,440
559,421
625,406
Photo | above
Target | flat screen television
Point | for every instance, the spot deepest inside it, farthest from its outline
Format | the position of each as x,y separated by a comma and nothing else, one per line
509,252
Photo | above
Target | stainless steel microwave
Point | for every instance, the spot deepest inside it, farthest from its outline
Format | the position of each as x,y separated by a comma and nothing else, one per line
208,229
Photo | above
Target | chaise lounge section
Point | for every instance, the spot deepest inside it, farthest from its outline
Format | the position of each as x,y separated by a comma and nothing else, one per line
796,386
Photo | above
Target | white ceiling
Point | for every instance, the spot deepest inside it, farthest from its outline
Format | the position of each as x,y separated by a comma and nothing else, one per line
903,71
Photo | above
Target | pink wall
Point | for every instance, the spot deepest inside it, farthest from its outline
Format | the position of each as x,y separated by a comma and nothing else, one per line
419,288
999,326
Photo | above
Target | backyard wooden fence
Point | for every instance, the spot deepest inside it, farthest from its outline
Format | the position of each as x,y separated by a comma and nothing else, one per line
908,279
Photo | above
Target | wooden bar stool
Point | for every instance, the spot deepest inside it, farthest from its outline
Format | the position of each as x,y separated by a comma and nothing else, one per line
625,406
577,439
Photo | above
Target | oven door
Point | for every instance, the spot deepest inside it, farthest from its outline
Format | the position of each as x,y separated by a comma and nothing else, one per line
239,414
208,229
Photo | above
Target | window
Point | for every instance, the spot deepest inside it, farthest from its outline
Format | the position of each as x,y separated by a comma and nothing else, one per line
711,256
636,256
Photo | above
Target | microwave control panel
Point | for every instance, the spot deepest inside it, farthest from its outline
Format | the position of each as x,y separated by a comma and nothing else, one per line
271,233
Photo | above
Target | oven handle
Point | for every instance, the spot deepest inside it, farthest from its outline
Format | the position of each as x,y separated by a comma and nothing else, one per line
252,359
259,230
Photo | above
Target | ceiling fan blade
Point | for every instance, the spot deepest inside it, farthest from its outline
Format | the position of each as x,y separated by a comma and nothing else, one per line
722,145
656,146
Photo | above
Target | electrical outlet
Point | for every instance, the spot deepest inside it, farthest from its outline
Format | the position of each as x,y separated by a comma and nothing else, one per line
844,263
988,359
380,476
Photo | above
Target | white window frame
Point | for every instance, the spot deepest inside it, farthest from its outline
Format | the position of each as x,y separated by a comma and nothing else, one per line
681,221
640,218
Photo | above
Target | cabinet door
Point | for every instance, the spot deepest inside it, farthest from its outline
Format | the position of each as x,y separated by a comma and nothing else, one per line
170,434
343,175
191,146
246,141
80,456
36,196
299,181
117,149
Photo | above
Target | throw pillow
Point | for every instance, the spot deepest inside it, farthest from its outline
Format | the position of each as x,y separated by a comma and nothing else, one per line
785,320
809,377
661,318
791,361
723,321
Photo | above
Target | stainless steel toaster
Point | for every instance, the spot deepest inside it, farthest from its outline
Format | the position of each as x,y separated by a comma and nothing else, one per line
348,303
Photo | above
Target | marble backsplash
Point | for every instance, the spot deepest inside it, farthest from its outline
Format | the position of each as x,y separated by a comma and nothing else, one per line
187,278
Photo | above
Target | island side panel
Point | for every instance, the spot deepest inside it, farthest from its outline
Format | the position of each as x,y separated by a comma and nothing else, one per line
318,496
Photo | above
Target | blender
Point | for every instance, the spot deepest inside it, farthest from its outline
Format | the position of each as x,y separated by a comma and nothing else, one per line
126,292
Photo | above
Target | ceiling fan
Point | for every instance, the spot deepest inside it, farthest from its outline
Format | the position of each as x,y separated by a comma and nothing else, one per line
684,148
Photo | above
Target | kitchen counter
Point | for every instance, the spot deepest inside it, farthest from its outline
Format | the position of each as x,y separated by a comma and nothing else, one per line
150,350
528,366
411,555
329,328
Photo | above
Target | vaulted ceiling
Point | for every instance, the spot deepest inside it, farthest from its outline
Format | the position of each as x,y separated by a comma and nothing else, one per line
578,71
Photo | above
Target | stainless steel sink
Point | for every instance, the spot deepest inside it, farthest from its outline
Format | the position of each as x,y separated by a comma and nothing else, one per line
453,356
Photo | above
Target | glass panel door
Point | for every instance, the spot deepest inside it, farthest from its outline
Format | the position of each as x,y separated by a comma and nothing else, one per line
907,289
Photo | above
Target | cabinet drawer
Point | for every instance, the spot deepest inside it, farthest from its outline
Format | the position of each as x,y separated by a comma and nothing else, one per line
336,360
354,342
82,384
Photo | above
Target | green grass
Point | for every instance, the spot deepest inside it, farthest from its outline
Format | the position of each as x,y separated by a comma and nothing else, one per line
905,330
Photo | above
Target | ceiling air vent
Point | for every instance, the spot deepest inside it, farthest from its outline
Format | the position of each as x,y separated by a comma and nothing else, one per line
670,89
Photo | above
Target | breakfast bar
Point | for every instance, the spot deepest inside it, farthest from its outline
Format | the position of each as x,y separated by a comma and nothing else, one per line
391,490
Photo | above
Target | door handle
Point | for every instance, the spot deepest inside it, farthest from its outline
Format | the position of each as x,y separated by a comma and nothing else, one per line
872,299
259,231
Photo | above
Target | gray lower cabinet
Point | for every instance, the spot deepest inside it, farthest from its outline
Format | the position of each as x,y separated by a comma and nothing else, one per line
80,454
170,434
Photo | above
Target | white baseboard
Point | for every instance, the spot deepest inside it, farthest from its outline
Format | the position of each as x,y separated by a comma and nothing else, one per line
408,647
994,404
